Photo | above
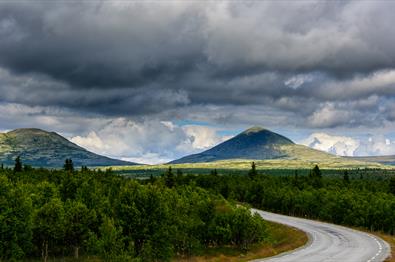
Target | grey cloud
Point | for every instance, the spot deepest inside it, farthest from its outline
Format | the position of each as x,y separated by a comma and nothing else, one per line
38,90
237,62
92,44
104,44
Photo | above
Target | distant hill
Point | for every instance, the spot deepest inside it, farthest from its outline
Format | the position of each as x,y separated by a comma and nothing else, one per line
386,160
268,149
48,149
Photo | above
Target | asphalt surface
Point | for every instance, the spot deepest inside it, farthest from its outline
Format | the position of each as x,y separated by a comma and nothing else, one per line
329,243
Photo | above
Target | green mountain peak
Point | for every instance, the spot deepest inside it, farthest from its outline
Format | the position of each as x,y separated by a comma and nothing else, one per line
47,149
254,143
254,129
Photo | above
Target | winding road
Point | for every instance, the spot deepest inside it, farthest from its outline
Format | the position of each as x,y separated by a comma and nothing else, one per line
329,243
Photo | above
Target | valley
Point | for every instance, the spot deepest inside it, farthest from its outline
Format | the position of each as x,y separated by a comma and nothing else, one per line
257,168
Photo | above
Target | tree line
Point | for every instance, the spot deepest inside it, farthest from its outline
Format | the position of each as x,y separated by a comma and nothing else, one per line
367,201
59,213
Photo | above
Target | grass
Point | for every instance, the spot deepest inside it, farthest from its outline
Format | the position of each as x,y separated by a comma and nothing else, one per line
245,164
389,239
284,239
241,167
299,157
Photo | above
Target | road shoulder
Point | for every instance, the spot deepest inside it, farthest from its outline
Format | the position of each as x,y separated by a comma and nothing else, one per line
286,239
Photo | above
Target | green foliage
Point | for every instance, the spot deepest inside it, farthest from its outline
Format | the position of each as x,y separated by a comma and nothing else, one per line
78,223
179,173
15,220
392,185
109,243
50,213
48,229
346,177
238,227
316,172
252,173
18,164
56,213
169,178
364,203
214,172
316,177
68,165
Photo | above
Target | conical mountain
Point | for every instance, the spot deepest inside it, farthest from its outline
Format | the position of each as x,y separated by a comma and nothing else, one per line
253,143
47,149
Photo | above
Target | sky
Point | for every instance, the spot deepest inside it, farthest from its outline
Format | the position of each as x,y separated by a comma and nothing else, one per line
151,81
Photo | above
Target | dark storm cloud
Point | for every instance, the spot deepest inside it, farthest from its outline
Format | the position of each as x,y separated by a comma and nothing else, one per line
301,60
88,46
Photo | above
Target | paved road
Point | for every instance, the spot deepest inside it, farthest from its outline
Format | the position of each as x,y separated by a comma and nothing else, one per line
329,243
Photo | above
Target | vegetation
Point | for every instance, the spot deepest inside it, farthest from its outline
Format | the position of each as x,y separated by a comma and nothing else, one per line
143,172
283,239
18,164
56,213
388,160
243,165
69,166
353,199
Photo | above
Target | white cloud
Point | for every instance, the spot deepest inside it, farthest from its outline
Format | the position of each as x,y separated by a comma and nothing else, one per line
202,137
148,141
376,145
92,142
348,146
338,145
149,158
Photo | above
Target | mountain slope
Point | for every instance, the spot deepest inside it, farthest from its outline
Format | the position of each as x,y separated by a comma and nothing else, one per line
254,143
47,149
268,149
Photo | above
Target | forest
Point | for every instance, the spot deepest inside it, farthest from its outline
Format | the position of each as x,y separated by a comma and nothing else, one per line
46,214
73,213
360,198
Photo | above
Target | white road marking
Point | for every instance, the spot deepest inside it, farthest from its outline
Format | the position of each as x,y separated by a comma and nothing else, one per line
329,243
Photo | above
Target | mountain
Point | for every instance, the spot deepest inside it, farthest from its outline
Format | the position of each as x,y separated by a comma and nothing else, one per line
270,150
253,143
47,149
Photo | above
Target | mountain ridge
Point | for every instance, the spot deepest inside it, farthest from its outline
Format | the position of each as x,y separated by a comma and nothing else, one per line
41,148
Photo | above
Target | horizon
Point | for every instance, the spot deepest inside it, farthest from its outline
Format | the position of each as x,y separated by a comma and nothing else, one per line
171,160
150,82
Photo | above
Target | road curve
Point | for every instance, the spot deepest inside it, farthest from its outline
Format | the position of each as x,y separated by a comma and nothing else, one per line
329,243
